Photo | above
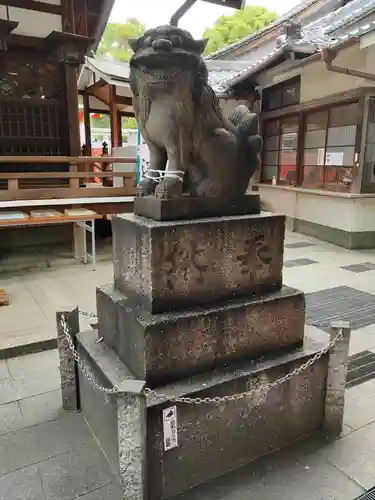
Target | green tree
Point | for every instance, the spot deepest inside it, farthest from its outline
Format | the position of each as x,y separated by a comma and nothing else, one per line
114,43
130,123
229,29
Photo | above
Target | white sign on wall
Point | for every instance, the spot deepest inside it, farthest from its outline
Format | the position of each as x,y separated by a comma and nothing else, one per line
170,428
331,159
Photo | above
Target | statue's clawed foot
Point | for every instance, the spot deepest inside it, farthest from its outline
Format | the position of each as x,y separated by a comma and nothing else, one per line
169,188
146,187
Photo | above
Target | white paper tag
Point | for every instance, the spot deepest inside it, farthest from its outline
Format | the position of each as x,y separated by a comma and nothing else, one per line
170,428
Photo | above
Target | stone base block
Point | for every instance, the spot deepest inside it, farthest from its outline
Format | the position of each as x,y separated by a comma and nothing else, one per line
194,208
172,265
160,348
212,439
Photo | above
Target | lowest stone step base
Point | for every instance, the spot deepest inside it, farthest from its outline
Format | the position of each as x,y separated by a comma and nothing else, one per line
212,440
160,348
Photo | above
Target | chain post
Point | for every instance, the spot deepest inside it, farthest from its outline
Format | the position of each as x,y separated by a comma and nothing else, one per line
336,379
68,366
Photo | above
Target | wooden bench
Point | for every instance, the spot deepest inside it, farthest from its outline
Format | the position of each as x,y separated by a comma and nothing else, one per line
81,225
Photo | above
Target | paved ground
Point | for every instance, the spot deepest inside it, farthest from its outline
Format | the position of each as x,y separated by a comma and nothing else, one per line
45,454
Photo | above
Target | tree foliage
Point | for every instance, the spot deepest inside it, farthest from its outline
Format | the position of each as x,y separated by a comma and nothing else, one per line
229,29
114,44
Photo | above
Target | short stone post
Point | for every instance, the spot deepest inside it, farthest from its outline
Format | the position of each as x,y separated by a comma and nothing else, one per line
68,365
131,418
336,379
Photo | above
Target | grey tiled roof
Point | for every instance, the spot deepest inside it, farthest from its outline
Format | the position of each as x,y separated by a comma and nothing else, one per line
304,4
319,33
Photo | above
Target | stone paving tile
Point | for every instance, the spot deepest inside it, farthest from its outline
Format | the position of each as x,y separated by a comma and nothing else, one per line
362,339
71,475
299,262
354,455
23,313
33,445
295,473
38,362
10,418
26,337
360,405
109,492
299,244
33,384
24,484
42,408
4,372
7,391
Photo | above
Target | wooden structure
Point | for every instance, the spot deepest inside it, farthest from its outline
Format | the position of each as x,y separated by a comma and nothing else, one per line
104,88
42,48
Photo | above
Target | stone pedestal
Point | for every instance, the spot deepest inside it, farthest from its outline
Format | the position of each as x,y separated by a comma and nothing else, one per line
197,309
165,266
162,347
212,439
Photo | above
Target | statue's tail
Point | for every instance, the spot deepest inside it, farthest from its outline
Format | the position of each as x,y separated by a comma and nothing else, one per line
250,142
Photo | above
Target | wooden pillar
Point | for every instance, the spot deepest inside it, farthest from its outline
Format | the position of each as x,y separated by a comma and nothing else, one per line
119,129
72,102
86,118
360,146
114,118
87,167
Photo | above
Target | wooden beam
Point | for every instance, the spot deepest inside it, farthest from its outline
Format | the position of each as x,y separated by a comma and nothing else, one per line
86,117
72,100
123,100
97,85
99,111
102,94
34,5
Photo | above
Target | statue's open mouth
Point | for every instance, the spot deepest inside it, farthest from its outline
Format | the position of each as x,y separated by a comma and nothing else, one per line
167,61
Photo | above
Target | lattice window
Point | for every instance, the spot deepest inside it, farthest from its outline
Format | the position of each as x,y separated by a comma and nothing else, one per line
30,75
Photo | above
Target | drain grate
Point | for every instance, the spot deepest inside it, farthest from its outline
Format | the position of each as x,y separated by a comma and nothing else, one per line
299,262
340,303
299,244
369,495
360,268
361,368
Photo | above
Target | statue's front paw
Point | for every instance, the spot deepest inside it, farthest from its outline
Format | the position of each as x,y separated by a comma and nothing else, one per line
169,188
146,187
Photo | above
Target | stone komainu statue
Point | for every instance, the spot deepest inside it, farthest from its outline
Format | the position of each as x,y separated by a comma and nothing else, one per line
194,149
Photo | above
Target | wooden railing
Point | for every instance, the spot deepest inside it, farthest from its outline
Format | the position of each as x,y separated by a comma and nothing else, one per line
26,185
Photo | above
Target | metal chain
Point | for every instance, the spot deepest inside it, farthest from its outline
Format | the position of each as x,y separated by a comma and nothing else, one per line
215,400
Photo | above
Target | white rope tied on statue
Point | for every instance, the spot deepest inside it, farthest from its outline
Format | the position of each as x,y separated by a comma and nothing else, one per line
164,174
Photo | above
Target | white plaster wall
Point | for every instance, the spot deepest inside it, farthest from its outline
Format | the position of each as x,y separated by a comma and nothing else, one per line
33,23
317,82
363,217
340,212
